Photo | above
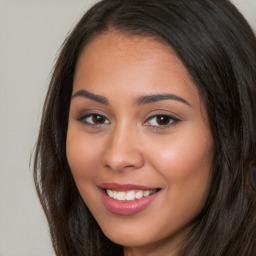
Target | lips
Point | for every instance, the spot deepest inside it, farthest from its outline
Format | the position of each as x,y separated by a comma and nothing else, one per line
127,199
129,195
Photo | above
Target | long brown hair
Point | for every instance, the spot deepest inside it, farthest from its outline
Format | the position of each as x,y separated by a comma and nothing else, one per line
218,48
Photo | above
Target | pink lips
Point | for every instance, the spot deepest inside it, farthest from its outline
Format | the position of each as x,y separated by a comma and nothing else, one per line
125,207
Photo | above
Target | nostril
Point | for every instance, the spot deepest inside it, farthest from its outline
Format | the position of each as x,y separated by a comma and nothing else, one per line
123,159
120,166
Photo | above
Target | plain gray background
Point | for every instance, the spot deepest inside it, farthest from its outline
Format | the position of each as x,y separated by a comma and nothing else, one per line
31,32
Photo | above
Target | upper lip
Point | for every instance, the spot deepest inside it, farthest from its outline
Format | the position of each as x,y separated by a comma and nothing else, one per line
117,186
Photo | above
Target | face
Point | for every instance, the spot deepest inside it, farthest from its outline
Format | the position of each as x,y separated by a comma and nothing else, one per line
138,142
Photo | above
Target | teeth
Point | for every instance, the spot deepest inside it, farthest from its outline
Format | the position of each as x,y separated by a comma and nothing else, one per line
110,193
139,194
120,196
129,195
146,193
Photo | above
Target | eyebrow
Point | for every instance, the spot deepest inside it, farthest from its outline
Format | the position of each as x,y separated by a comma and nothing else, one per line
158,97
91,96
147,99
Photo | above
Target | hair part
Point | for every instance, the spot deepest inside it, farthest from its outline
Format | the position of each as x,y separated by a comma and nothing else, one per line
218,48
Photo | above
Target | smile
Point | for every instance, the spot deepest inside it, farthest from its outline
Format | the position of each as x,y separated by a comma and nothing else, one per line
127,199
130,195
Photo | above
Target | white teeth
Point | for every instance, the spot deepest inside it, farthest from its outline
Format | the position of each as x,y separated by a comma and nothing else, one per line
129,195
120,196
110,193
146,193
139,194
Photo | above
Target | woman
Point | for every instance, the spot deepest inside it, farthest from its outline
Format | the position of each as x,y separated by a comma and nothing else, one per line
147,144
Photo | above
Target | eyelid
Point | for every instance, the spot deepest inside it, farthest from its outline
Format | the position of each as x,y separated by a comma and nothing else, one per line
84,116
172,118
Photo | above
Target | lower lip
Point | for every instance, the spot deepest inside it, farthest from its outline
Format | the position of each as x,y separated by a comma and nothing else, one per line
126,207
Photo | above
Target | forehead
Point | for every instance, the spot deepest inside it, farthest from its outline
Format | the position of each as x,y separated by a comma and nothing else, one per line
110,48
122,67
134,44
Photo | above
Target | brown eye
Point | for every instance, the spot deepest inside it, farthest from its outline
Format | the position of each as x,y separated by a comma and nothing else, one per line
98,119
161,121
94,119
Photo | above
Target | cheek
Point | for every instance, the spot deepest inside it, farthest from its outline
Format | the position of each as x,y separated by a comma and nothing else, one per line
83,159
82,155
184,155
185,165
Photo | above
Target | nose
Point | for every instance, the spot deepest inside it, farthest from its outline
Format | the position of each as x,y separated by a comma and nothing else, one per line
122,150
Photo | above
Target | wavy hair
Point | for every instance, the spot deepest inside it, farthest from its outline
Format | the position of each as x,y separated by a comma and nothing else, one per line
218,48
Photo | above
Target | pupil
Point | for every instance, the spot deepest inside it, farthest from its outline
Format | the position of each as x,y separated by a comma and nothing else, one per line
163,120
98,119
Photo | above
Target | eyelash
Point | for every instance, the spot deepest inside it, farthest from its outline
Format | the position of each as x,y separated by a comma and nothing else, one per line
173,120
92,115
84,118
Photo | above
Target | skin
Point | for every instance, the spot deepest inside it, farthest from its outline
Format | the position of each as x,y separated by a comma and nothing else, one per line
129,145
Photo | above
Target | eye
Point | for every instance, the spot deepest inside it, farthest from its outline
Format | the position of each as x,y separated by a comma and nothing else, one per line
94,119
161,121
